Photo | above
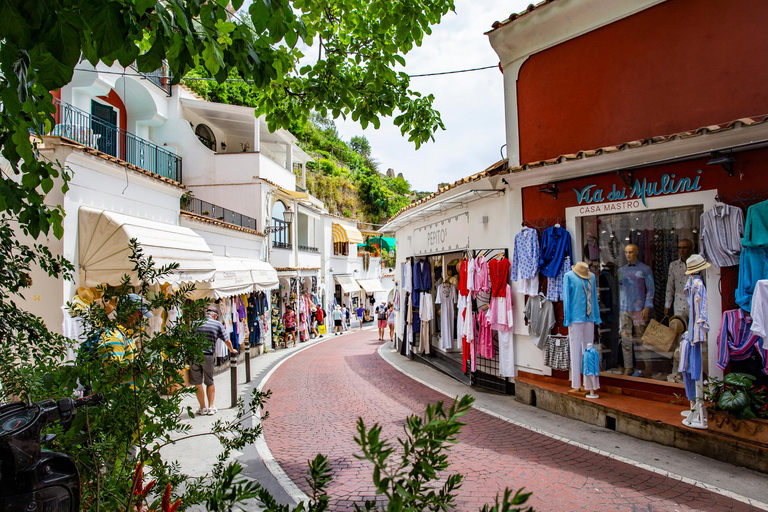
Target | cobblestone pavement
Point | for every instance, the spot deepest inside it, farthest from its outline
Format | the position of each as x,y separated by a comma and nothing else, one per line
319,394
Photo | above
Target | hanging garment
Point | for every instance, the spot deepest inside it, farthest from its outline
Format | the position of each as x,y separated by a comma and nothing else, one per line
484,336
407,276
580,334
636,287
427,309
463,290
722,227
760,309
525,260
467,330
756,226
424,338
580,299
555,284
422,276
736,341
555,247
471,276
506,355
540,315
498,270
446,297
590,368
500,313
753,266
696,335
557,354
482,280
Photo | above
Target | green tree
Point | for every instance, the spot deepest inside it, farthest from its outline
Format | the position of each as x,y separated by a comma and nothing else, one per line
360,145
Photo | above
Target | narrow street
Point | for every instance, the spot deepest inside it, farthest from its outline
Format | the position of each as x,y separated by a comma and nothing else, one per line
319,394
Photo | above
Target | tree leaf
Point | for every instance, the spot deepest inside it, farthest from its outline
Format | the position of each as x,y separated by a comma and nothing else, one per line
733,402
143,6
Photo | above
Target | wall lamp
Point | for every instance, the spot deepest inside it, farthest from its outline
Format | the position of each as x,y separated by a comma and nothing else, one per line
551,189
726,161
287,216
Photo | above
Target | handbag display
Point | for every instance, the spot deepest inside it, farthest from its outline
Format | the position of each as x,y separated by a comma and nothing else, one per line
658,337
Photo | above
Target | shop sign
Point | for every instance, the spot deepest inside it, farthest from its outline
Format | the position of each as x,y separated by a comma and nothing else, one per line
618,206
451,234
640,190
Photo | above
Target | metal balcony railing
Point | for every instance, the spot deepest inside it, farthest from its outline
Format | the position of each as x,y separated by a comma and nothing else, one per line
82,127
212,211
281,245
308,248
160,77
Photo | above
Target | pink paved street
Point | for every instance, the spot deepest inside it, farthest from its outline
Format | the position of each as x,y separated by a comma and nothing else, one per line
319,394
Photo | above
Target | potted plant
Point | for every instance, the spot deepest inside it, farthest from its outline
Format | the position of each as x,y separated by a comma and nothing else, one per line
737,408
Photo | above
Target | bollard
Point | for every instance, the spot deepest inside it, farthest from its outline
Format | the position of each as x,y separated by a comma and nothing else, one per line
233,375
247,346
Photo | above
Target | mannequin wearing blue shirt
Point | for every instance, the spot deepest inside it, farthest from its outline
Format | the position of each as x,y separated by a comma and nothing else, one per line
636,290
580,314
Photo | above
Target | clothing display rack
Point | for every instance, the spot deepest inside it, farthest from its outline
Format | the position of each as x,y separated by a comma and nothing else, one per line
543,223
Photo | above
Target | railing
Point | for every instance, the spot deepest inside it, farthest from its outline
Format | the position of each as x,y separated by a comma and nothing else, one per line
82,127
307,248
212,211
281,245
160,77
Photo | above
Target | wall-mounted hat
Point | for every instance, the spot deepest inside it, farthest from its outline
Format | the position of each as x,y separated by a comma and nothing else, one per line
696,263
581,269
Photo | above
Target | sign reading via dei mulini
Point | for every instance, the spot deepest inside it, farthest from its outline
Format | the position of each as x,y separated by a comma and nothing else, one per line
451,234
640,190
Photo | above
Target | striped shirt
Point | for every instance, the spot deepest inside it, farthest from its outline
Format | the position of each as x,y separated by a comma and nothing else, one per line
736,340
720,239
213,330
117,347
698,317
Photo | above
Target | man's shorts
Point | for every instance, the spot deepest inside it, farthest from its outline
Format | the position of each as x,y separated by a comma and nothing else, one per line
199,374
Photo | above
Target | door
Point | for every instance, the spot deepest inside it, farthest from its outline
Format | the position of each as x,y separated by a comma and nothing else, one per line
104,124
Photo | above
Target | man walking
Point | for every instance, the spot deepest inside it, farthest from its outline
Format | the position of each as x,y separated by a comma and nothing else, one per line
381,317
203,374
360,313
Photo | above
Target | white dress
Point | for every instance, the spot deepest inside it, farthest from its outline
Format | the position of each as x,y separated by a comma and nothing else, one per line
446,297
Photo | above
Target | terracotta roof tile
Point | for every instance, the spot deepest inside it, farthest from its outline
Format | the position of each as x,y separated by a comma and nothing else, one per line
501,167
515,16
216,222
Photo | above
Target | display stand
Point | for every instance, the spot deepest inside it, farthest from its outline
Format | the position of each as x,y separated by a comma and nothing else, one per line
697,417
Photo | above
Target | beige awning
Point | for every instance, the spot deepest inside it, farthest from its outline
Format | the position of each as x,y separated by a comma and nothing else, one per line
371,285
348,284
349,234
103,248
264,275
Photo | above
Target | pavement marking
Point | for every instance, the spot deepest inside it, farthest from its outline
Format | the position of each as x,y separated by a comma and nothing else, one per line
265,453
619,458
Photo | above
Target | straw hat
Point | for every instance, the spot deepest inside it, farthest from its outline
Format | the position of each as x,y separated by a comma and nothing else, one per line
695,263
581,269
678,324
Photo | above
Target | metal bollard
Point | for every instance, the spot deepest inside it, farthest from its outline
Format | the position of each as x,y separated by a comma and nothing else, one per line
247,346
233,376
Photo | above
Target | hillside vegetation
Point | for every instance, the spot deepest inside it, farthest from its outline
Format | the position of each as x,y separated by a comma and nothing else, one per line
343,175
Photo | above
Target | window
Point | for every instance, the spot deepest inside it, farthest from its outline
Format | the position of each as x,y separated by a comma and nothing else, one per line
206,136
281,237
341,248
636,258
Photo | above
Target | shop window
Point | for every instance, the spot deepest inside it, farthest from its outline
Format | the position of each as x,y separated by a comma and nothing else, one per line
341,248
633,254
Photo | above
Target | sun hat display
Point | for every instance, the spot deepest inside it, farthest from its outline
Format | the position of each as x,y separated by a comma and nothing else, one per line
581,269
678,324
695,263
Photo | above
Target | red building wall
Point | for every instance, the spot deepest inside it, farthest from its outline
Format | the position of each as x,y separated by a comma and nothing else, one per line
674,67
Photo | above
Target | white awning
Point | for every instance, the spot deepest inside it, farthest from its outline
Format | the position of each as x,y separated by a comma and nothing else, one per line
264,275
348,284
103,248
371,285
236,276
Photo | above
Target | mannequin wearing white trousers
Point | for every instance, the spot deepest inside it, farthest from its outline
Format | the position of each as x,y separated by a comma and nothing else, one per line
581,313
580,334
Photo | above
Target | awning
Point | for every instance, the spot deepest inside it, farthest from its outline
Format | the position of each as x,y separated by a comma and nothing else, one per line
346,234
371,285
348,284
103,248
264,275
384,243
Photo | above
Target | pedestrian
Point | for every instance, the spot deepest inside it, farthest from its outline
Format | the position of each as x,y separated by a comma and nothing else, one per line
344,318
337,321
289,322
360,312
202,374
391,321
381,316
313,321
320,320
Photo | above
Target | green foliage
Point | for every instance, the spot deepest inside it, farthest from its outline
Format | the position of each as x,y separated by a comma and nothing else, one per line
738,395
360,145
411,480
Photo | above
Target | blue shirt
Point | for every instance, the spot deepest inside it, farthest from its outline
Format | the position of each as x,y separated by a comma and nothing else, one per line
753,266
525,259
635,287
555,246
590,362
575,300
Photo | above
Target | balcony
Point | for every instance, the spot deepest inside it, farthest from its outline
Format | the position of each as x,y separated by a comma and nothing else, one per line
307,248
82,127
161,77
212,211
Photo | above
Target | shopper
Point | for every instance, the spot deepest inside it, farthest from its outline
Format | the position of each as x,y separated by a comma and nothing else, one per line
360,313
289,322
200,374
391,321
381,316
344,318
337,321
320,320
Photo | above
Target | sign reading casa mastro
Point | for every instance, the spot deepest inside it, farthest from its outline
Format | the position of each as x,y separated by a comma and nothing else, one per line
445,235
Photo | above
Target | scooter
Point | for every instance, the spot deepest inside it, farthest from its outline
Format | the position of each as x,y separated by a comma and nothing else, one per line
33,479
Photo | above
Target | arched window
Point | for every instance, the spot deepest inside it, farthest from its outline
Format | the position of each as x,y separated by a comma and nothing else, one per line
206,136
281,237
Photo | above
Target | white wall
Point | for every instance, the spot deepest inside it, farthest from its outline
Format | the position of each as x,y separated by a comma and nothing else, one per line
227,242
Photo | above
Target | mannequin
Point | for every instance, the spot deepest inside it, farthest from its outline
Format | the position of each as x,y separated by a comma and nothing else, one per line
590,367
636,290
690,346
581,313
